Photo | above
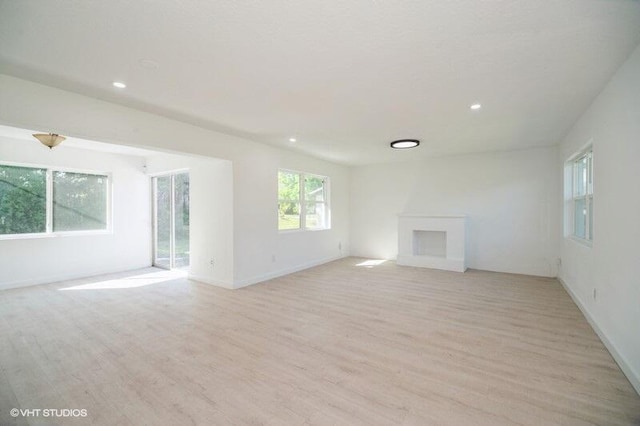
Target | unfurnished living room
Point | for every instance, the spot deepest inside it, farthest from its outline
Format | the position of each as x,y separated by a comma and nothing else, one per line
319,212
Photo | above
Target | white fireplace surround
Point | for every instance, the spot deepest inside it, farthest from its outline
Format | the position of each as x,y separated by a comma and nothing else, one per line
432,241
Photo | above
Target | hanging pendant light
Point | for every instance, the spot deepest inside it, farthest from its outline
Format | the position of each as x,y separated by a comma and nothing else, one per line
49,139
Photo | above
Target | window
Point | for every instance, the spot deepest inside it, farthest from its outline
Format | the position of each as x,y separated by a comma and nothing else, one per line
23,193
79,201
42,201
582,196
303,201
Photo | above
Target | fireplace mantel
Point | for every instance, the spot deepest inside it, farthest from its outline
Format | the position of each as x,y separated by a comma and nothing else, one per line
432,241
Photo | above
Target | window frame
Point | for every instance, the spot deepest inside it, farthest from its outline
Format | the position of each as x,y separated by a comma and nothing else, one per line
577,196
48,233
302,200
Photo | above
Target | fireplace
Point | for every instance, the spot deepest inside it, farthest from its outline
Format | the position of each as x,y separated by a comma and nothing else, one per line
432,242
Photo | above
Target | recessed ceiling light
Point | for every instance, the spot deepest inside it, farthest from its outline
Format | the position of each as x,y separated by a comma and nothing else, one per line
119,84
292,140
405,143
475,106
149,64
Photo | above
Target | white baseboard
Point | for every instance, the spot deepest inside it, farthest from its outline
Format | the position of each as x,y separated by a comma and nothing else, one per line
286,271
206,280
65,277
632,376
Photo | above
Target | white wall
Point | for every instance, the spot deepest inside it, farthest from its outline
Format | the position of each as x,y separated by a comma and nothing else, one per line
33,106
510,198
257,239
47,259
612,264
210,214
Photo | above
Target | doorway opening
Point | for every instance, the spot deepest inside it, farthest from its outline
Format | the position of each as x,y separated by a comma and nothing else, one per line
171,221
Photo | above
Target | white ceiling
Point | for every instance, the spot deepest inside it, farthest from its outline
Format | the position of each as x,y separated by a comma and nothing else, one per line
344,77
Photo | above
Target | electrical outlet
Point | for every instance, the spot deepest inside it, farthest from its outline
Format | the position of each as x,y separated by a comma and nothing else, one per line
340,246
273,258
212,262
559,261
595,294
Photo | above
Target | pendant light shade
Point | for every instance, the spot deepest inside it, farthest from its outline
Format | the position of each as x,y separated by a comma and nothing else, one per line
49,139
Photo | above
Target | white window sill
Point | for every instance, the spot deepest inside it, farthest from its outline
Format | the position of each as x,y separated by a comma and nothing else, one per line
54,235
295,231
581,241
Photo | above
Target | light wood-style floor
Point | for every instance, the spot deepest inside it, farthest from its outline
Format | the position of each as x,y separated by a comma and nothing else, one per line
337,344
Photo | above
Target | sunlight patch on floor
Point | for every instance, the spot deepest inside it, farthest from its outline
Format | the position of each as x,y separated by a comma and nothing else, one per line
371,263
132,281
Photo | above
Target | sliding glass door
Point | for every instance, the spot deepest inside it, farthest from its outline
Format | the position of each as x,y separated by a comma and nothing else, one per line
171,221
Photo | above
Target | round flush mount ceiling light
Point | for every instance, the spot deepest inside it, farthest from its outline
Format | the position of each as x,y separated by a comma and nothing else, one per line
405,143
119,84
475,107
292,140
